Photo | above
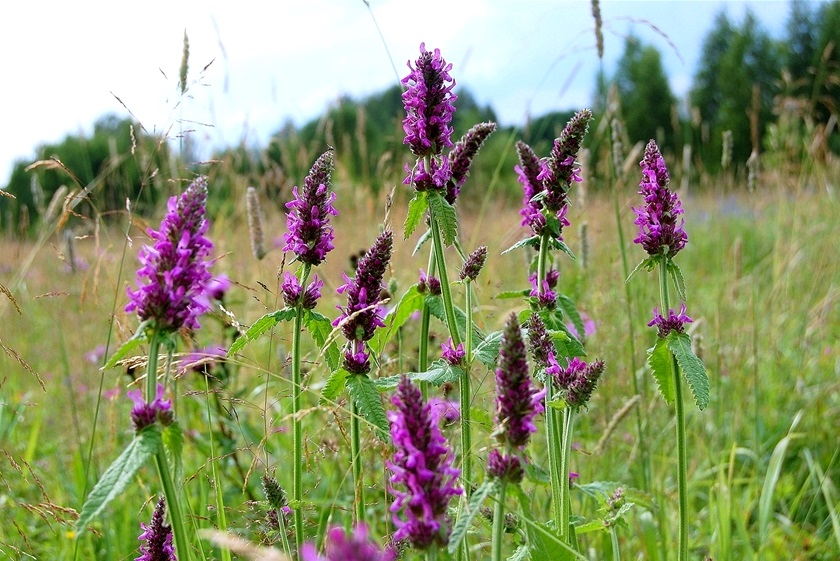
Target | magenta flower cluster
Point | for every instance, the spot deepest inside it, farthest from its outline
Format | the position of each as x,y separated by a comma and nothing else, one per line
144,414
660,231
674,322
355,546
544,291
577,380
451,354
423,479
174,272
428,101
310,234
157,537
360,318
294,294
428,282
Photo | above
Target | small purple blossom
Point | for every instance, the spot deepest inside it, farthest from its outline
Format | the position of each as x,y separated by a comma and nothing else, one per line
157,537
428,282
577,380
453,355
428,101
446,409
218,286
589,327
144,414
355,546
506,467
294,294
546,297
422,465
174,272
310,234
659,231
356,361
424,180
517,401
674,321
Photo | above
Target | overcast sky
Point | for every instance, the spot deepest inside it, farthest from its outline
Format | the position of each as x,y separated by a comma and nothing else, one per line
64,64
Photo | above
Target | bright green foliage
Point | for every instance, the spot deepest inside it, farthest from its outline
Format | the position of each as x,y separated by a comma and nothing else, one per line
690,366
366,396
661,364
260,326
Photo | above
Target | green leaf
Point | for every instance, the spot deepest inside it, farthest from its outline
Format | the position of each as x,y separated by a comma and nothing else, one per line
570,311
561,245
364,393
462,524
507,294
439,373
416,210
521,554
387,383
591,526
334,386
412,301
487,351
173,443
119,475
533,241
136,340
261,326
691,367
427,235
545,545
648,264
659,360
435,305
565,342
677,276
320,327
446,217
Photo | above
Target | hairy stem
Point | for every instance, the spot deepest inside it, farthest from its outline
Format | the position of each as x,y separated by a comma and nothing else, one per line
356,453
498,523
449,310
566,500
176,515
297,428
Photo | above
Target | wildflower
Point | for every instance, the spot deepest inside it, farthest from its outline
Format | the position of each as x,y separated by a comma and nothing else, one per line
462,156
144,414
428,101
539,341
453,355
527,172
577,380
310,234
422,465
343,547
659,232
255,221
448,410
546,297
674,321
589,327
218,286
362,316
158,538
430,282
356,359
517,402
294,294
436,177
202,360
175,269
506,467
474,263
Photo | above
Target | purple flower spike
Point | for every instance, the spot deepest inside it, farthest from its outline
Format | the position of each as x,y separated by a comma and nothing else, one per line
422,465
462,156
578,380
310,235
356,361
474,263
674,322
144,414
453,355
659,231
174,272
528,171
361,317
517,401
504,467
294,293
539,341
428,101
158,538
560,169
356,546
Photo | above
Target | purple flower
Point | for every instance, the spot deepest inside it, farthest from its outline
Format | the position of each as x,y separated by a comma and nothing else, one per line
577,380
527,172
158,538
422,466
506,467
474,263
546,297
356,358
659,231
427,180
362,316
356,546
517,401
218,286
589,327
453,355
310,234
674,322
462,156
294,293
175,269
428,101
430,282
144,414
202,360
448,410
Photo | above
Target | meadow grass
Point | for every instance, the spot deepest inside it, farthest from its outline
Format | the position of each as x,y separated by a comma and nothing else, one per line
763,461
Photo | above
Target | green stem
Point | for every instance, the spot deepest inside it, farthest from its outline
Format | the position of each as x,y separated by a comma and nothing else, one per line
565,456
176,515
498,522
297,429
555,448
682,451
465,399
221,521
151,365
423,359
356,460
449,311
616,553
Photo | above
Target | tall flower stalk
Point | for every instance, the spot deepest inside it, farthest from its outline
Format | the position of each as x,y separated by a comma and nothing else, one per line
662,236
309,236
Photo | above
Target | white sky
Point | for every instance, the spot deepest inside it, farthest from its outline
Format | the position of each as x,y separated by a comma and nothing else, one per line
64,63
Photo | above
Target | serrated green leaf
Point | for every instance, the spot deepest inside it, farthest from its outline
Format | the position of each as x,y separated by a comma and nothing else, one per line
487,351
410,302
570,311
659,360
691,367
320,327
427,235
119,474
446,217
507,294
364,393
590,526
439,373
521,554
387,383
567,345
173,443
561,245
259,327
416,210
677,277
462,524
435,305
533,241
136,340
334,386
648,264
